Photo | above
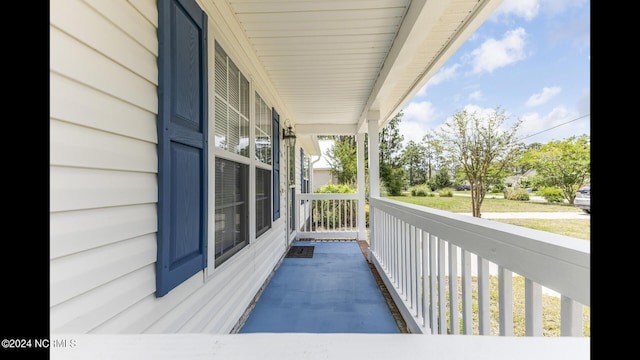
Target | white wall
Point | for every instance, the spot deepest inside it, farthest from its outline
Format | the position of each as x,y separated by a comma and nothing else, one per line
323,177
103,184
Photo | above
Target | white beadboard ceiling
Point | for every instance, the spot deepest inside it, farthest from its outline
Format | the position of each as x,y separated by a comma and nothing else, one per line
337,62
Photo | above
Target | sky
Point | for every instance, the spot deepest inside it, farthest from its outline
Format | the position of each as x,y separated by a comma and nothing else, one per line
530,58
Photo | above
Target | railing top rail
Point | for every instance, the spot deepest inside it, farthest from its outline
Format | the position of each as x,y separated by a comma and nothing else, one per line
327,196
537,255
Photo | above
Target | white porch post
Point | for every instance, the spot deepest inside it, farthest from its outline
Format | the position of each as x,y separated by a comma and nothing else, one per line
374,157
362,230
374,175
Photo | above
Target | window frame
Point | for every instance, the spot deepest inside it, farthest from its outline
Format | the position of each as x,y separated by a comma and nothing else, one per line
222,153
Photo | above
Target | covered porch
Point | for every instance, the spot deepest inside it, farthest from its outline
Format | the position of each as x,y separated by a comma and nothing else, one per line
329,289
328,68
425,255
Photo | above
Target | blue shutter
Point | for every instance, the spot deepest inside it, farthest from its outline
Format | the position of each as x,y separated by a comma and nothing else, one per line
275,153
182,143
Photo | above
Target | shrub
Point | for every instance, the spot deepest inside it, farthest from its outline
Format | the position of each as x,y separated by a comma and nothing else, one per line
497,188
419,190
552,194
516,194
383,189
366,214
446,192
393,179
439,181
335,189
331,213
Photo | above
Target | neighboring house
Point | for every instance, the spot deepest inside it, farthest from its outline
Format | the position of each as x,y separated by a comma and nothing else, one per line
513,180
323,176
321,173
170,182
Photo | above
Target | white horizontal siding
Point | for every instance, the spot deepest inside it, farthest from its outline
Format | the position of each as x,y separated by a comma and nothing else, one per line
130,20
75,188
79,146
114,29
212,308
78,273
137,318
75,60
228,292
212,301
76,103
103,159
103,179
148,9
75,231
82,313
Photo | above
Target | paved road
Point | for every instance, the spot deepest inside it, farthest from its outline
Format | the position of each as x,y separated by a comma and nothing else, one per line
534,215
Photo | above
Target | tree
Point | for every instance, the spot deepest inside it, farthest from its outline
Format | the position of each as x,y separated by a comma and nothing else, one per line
391,171
564,164
475,142
413,158
440,181
391,141
432,153
522,166
342,159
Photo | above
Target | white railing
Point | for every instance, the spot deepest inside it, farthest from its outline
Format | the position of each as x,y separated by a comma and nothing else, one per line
422,253
328,215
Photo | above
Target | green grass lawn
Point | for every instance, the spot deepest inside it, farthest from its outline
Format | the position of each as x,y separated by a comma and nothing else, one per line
580,229
577,228
550,310
463,204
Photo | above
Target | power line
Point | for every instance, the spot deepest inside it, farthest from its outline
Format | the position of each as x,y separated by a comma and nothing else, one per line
551,128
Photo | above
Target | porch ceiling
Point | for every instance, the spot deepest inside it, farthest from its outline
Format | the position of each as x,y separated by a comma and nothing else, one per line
334,61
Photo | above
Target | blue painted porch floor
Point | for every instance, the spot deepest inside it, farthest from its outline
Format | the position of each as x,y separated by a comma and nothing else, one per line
332,292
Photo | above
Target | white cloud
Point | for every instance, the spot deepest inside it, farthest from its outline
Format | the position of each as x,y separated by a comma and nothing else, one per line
541,98
554,7
526,9
417,120
530,9
559,124
443,74
476,95
484,113
494,54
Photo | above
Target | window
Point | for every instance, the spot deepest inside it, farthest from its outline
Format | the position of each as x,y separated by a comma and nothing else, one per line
304,174
232,177
275,154
231,219
263,156
292,166
263,201
231,106
262,131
